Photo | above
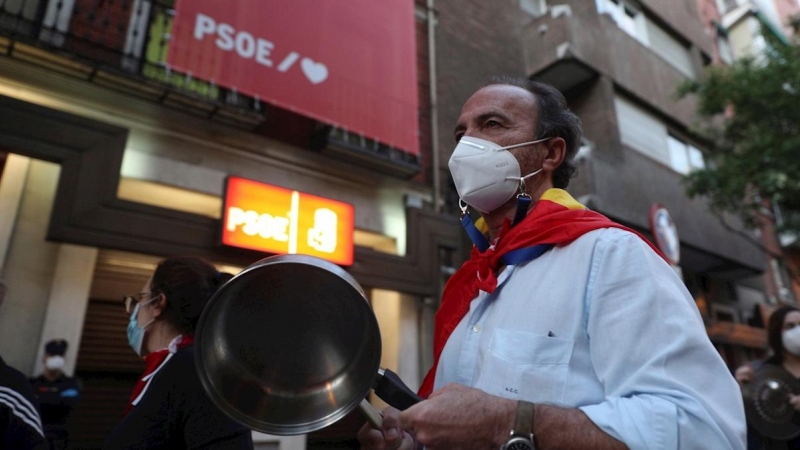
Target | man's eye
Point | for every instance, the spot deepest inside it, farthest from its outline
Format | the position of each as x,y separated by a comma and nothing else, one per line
492,123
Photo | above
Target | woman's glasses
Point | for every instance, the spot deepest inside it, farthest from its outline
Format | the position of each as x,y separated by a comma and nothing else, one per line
131,300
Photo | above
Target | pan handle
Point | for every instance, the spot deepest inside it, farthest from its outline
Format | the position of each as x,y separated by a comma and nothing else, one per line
372,415
391,389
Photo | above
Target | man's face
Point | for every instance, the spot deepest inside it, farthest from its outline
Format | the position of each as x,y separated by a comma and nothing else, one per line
501,114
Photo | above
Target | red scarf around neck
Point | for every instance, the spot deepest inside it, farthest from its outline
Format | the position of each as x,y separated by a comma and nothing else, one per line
152,362
556,219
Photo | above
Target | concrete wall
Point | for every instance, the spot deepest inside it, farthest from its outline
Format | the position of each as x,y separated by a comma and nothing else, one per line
682,15
29,269
597,42
12,185
66,305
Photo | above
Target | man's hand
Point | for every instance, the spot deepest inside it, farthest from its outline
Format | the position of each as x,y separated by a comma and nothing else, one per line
389,437
460,417
744,374
794,400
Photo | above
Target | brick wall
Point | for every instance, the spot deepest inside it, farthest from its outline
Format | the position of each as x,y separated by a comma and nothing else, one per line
475,40
424,93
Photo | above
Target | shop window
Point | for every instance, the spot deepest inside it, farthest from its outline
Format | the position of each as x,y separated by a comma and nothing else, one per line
375,241
163,196
684,158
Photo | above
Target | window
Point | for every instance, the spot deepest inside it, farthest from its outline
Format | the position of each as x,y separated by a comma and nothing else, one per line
726,5
535,8
641,130
684,157
627,17
725,49
646,133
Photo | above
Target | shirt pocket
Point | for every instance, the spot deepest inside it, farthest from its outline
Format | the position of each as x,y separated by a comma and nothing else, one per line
523,365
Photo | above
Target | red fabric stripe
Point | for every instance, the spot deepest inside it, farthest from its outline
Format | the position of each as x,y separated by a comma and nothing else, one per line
548,223
152,361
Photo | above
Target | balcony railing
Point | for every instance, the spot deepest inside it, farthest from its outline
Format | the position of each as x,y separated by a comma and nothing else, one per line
123,45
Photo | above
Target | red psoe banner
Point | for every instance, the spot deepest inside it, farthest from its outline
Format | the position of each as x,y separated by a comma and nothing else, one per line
349,63
267,218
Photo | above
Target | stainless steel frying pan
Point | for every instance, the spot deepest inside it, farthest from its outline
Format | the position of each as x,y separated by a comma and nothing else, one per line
290,345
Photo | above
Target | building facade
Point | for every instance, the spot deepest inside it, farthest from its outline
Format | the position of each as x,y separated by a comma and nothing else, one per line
619,63
112,160
738,29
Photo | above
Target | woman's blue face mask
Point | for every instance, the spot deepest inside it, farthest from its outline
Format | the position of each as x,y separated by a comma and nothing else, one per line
136,332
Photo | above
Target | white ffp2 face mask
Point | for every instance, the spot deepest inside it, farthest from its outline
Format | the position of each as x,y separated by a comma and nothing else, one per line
791,340
486,175
54,363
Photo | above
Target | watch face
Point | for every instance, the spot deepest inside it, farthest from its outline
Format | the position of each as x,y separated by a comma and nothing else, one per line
519,443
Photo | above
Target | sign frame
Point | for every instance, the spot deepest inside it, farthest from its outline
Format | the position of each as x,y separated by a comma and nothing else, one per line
658,213
263,226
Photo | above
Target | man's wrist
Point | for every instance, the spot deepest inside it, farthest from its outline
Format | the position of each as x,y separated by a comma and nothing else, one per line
506,415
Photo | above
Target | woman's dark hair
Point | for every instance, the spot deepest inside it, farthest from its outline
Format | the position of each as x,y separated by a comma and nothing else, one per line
188,283
553,119
775,333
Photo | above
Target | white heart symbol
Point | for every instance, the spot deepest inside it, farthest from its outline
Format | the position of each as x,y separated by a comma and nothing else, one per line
315,72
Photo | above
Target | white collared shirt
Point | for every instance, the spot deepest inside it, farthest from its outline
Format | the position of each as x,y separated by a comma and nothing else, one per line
605,325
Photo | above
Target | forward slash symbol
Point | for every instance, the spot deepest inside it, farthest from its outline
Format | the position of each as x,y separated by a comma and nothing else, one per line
287,62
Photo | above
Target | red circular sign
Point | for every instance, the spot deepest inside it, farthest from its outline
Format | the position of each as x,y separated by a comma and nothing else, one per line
665,233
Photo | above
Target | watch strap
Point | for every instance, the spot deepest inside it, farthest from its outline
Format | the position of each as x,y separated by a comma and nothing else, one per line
523,425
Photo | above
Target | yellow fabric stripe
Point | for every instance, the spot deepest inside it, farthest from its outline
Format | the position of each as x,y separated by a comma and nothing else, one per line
554,195
561,197
480,224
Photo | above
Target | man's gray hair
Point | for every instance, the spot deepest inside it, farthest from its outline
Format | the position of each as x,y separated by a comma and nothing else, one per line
554,119
2,291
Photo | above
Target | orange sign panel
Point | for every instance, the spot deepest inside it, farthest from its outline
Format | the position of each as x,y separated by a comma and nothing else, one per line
267,218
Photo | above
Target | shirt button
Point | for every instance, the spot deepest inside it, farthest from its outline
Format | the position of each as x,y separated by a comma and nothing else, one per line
476,328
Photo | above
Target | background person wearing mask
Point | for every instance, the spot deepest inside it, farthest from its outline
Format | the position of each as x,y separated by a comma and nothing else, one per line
168,408
20,425
783,335
564,330
57,393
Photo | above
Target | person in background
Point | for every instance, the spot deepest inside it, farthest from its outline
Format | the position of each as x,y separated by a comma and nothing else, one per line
168,408
20,424
57,394
783,335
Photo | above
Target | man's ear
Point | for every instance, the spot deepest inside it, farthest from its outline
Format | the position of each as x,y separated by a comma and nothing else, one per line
556,151
159,305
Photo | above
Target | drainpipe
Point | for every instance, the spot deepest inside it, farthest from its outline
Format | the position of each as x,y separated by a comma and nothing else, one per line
437,182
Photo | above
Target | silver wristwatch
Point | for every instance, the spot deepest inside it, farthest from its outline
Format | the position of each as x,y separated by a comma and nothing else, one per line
521,437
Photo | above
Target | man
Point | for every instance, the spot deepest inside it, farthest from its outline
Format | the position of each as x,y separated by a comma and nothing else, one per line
563,330
57,394
20,425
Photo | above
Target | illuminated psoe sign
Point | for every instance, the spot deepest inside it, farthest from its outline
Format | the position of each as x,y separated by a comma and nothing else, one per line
267,218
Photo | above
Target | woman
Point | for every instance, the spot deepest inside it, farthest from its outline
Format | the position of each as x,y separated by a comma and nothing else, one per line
783,334
168,408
